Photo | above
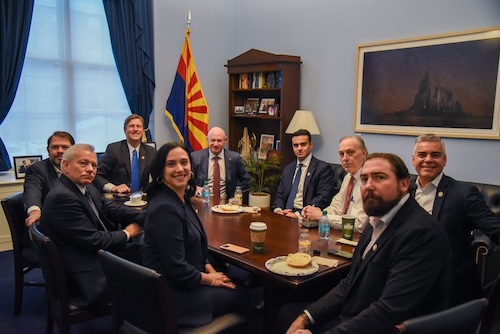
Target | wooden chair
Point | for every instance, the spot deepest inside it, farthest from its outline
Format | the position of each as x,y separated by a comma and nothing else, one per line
25,258
142,303
461,319
59,308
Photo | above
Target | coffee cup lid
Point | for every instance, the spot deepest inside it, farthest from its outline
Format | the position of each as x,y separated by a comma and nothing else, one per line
348,216
258,226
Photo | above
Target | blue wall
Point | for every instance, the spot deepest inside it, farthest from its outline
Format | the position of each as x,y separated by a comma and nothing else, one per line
325,33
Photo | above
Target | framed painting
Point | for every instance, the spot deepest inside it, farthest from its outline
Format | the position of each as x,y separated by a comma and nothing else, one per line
446,84
22,163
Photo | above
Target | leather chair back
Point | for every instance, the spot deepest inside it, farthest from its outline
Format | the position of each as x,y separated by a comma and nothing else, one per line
25,258
461,319
54,273
142,301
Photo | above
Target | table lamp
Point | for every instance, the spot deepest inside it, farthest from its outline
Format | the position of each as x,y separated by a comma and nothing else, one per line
303,119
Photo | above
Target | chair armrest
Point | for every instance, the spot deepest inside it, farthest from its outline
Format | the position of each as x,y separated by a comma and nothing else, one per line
482,246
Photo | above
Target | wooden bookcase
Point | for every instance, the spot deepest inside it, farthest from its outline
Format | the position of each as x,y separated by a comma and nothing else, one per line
285,89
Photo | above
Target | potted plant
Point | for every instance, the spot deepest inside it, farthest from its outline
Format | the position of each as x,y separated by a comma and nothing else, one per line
264,175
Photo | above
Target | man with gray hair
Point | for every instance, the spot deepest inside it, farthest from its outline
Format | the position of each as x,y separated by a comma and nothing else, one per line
459,207
80,222
352,153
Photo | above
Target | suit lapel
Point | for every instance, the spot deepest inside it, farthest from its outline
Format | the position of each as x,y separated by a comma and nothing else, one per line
228,167
309,172
142,160
51,172
204,164
126,158
440,196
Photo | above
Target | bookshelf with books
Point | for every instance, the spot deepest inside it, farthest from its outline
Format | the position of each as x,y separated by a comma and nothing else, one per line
264,92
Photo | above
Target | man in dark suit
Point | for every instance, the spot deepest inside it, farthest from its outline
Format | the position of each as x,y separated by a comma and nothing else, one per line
80,223
314,185
42,175
114,173
400,268
459,208
232,168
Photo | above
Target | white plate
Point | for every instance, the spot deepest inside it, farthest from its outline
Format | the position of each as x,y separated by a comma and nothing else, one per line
141,203
279,266
218,209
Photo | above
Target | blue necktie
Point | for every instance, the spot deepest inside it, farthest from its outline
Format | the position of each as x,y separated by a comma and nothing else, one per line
295,186
135,184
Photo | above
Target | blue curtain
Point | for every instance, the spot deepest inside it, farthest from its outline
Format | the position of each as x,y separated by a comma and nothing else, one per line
131,30
15,22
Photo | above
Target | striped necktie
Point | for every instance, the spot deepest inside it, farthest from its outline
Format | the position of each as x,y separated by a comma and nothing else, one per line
295,187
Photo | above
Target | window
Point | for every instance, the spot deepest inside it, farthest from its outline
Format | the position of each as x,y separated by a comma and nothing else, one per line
69,80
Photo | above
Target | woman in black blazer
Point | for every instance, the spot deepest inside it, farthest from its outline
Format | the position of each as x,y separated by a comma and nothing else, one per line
176,243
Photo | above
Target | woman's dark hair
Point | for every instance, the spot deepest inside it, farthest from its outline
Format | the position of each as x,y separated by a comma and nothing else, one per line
159,165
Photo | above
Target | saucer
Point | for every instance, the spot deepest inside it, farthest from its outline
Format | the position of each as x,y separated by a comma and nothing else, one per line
141,203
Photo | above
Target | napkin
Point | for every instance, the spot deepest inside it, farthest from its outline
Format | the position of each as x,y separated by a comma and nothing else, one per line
324,261
347,242
251,209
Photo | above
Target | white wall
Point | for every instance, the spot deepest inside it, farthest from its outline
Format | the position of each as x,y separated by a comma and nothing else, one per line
325,34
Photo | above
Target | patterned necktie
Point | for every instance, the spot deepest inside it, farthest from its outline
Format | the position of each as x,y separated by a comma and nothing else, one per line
216,177
94,208
295,186
135,179
348,195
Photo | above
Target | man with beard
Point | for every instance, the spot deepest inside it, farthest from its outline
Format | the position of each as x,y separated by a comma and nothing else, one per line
400,269
459,207
42,175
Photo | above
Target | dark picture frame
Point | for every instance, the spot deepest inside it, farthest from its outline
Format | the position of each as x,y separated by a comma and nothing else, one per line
22,163
252,105
444,84
265,103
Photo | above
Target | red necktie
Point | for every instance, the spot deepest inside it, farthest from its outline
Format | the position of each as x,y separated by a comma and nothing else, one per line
348,195
216,178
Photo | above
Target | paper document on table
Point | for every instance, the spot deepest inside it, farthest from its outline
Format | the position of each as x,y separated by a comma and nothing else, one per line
324,261
347,242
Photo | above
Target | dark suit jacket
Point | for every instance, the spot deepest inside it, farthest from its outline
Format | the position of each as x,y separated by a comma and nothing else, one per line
236,173
318,185
176,247
114,166
68,219
460,208
39,180
406,276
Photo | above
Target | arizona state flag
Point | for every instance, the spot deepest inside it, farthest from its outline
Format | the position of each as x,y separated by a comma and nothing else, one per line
186,105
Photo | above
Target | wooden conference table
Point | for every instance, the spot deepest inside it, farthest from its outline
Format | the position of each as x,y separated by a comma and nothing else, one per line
281,239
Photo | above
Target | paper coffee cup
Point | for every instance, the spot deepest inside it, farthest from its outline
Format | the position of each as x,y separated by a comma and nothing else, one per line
348,226
258,236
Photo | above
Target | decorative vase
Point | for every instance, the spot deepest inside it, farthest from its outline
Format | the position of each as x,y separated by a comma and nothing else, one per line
262,200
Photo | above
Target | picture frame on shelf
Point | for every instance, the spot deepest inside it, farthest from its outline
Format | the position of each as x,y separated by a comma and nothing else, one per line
430,85
272,110
278,144
22,163
265,103
239,109
266,143
252,105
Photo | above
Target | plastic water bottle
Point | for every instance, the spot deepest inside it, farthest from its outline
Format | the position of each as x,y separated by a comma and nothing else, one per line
304,242
324,227
205,193
238,196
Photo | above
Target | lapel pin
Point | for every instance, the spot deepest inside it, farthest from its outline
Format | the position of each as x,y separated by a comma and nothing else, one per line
374,248
308,173
143,157
440,194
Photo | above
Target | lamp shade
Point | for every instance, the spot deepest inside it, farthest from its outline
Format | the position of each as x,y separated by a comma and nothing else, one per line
303,119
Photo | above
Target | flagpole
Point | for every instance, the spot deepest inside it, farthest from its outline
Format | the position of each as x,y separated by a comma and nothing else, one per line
189,19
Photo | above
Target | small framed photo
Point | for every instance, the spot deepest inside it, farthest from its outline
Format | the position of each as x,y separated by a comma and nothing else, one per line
252,105
266,143
272,109
239,109
21,164
265,103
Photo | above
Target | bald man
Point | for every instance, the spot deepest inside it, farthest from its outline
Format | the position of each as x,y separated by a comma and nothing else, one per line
232,168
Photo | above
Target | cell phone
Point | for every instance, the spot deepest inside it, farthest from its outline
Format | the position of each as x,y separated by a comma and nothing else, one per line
235,248
341,253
